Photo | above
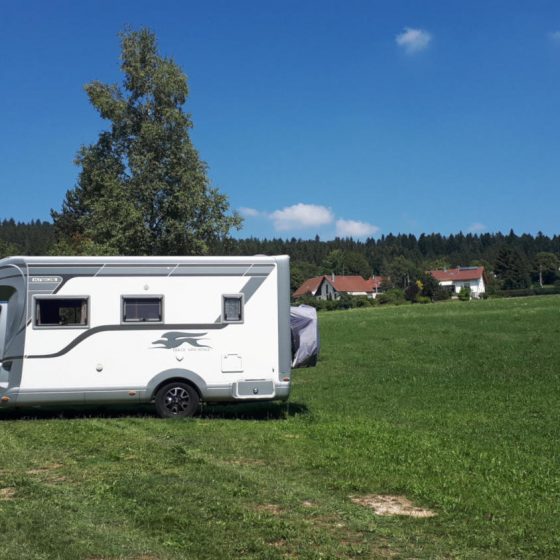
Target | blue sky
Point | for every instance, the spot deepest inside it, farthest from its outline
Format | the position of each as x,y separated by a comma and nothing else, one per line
362,117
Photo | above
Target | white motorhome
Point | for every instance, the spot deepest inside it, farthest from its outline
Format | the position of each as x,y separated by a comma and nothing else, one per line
170,330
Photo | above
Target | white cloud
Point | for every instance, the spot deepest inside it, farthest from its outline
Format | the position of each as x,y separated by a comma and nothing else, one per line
353,228
477,227
249,212
301,216
413,40
554,36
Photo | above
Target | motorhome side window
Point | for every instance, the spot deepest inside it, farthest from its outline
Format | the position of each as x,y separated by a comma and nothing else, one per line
232,308
142,309
61,312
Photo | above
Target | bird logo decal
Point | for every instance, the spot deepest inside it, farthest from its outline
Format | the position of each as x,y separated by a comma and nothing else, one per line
174,339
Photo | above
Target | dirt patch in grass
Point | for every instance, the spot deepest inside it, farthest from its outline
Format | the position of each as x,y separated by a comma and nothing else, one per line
45,469
48,473
244,462
391,505
7,493
273,509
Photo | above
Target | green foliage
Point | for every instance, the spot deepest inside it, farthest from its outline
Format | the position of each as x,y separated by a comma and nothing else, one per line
36,238
511,268
429,286
142,187
393,296
426,289
344,302
346,263
8,249
523,292
441,263
545,268
402,272
300,272
413,291
441,294
20,238
464,294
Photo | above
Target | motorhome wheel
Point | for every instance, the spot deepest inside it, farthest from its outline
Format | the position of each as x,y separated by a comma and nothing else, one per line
176,400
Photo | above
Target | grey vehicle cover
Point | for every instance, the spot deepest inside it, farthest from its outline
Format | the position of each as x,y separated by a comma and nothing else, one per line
305,336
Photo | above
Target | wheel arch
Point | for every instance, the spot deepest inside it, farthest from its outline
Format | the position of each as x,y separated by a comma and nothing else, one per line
180,375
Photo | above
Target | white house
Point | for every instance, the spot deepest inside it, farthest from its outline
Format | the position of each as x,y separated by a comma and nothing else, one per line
473,277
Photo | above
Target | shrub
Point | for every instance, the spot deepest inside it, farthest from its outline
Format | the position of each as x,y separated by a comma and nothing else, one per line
345,302
412,292
465,293
441,294
362,301
394,296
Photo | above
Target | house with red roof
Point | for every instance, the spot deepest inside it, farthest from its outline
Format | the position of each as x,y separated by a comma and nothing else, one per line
473,277
332,287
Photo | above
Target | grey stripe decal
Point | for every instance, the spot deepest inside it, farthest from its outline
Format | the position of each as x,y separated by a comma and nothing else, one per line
251,287
67,273
107,328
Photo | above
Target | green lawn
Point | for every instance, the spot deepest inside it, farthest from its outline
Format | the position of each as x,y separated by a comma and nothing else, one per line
453,405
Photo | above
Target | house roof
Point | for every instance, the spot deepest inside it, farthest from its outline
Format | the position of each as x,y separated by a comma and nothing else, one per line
309,287
375,283
349,283
458,274
339,283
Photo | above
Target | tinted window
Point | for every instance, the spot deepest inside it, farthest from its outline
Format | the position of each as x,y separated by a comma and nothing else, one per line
233,309
61,312
142,309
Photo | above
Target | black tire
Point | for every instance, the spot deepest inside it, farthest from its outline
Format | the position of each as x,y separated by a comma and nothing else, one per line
176,400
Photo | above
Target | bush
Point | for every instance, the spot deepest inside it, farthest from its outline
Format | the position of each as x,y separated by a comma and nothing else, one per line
441,294
412,292
362,301
394,296
465,294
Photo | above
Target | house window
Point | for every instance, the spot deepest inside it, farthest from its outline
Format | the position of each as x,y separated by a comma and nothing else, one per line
232,308
61,312
142,309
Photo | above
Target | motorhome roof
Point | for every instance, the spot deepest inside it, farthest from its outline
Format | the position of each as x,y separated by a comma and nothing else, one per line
139,260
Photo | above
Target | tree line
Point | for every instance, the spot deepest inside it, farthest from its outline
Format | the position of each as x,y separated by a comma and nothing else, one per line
514,261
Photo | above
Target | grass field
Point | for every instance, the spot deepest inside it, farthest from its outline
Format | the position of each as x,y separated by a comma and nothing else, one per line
453,405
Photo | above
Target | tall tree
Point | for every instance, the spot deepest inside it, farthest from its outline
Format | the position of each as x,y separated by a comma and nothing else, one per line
346,262
511,268
142,188
545,267
402,272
